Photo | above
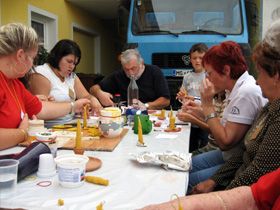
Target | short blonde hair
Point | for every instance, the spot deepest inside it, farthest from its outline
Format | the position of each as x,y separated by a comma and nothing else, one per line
15,36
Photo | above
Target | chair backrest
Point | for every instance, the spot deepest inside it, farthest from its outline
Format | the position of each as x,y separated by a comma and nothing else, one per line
89,80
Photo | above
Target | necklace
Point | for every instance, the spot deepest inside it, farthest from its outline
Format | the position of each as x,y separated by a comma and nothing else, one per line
14,95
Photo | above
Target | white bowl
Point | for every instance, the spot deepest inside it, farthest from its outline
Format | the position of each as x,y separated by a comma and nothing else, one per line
45,136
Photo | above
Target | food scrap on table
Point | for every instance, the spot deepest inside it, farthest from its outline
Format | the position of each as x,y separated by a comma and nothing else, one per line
97,180
157,123
100,206
94,131
60,202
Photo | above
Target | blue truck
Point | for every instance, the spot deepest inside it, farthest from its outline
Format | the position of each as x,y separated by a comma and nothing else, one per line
164,31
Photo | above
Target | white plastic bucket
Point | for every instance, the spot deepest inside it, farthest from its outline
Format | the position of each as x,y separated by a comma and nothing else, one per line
71,170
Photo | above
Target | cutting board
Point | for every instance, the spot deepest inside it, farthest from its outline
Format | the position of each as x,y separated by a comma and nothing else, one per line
89,143
102,144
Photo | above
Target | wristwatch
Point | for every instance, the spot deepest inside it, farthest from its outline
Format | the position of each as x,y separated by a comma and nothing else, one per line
147,105
210,116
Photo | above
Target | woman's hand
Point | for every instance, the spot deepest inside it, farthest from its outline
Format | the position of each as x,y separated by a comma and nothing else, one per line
79,105
186,117
24,123
204,187
194,109
207,92
95,105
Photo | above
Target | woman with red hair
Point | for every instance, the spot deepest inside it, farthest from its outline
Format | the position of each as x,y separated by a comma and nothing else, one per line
226,70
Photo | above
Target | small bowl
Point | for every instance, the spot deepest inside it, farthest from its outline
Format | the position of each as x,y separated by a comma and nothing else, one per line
45,136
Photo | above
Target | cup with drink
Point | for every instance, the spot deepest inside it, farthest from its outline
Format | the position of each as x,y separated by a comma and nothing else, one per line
8,177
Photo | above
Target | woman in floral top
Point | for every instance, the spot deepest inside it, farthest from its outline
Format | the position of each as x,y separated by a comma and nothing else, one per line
261,149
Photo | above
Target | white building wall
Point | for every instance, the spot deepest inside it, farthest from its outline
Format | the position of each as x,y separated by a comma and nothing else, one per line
271,12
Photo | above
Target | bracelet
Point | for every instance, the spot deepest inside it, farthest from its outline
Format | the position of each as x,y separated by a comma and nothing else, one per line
222,201
24,133
72,108
210,116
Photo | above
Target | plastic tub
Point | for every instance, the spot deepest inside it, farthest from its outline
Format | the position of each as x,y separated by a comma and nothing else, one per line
71,170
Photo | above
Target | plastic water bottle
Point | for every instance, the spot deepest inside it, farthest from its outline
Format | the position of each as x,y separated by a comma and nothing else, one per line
132,93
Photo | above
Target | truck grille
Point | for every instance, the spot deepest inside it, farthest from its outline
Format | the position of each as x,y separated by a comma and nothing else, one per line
171,60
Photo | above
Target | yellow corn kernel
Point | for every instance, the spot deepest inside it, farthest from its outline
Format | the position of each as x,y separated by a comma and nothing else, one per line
60,202
100,206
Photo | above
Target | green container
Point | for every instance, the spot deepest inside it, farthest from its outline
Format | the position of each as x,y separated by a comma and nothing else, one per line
146,123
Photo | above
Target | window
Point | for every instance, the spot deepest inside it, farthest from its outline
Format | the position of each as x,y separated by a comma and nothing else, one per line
40,29
45,24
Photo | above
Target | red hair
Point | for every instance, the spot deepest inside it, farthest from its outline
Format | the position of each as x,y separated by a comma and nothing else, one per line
227,53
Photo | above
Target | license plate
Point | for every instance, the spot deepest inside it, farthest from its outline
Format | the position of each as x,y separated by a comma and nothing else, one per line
181,72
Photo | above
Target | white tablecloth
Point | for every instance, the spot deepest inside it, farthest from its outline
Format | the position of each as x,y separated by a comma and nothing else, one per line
132,185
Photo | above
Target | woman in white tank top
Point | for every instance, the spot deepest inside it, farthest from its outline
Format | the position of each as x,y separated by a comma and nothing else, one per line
57,79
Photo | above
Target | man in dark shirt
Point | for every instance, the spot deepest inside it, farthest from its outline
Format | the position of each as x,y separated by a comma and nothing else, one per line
152,85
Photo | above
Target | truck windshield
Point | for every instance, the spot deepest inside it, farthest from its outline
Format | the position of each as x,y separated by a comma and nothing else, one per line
183,16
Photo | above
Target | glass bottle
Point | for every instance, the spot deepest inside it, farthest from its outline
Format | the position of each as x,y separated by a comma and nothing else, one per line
132,93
